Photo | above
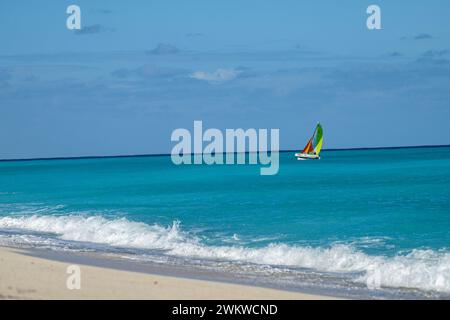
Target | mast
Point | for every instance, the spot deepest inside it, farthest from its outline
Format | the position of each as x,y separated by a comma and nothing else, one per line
314,144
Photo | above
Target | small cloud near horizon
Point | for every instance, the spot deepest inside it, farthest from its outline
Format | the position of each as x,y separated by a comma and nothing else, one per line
395,54
423,36
436,53
163,49
420,36
218,76
436,57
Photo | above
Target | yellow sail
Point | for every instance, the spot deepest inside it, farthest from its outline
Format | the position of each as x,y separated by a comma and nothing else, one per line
314,145
318,147
318,139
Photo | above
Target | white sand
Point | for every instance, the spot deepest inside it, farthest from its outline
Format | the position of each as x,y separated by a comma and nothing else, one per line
25,277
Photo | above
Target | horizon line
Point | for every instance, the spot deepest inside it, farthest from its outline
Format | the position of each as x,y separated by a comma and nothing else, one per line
168,154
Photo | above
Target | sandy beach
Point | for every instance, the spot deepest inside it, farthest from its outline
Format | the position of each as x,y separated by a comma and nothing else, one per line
26,277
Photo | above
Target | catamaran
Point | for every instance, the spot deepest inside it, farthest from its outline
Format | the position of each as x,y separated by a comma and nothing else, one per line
313,147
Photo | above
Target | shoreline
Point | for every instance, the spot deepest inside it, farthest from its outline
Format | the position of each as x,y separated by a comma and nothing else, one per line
32,274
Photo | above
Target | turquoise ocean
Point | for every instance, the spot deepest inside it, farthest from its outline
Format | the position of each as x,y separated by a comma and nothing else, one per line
370,222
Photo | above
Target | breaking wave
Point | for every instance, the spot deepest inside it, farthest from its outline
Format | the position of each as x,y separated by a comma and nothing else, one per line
419,269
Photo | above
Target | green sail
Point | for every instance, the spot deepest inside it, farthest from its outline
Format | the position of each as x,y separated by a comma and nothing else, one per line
318,139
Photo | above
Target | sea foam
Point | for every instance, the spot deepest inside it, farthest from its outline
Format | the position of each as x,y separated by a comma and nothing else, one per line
418,269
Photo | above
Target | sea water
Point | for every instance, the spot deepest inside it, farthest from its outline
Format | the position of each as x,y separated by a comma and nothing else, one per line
373,220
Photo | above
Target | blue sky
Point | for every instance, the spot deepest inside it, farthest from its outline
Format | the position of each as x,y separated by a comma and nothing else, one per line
139,69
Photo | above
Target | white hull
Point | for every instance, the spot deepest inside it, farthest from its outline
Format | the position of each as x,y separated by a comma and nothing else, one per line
306,156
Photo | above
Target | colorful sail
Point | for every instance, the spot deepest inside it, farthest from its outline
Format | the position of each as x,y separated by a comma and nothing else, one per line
318,139
314,144
308,148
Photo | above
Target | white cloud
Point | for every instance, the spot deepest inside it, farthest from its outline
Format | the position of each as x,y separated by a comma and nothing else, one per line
220,75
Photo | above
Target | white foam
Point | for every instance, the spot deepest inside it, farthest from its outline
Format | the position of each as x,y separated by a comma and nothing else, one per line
421,269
